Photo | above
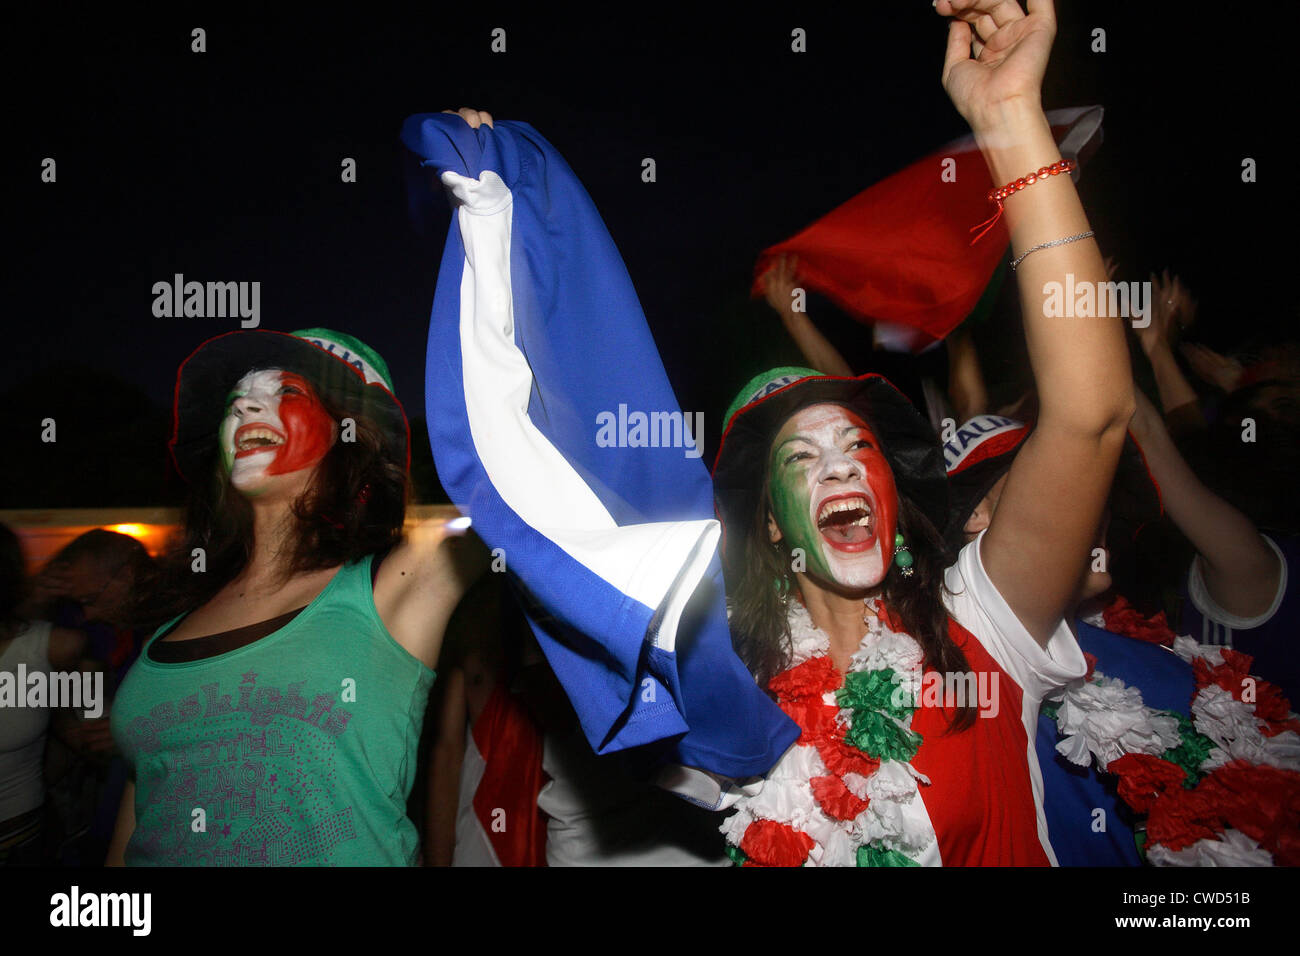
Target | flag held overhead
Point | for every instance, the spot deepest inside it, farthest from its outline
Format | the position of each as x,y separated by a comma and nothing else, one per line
535,333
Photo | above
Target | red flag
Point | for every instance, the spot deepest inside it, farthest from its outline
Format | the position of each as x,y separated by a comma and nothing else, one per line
901,251
506,799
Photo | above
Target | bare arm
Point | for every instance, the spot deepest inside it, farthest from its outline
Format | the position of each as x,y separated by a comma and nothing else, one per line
444,773
123,829
780,283
1051,506
421,582
965,380
1240,570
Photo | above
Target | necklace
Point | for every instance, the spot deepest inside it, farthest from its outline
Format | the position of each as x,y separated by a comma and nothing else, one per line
845,793
1219,789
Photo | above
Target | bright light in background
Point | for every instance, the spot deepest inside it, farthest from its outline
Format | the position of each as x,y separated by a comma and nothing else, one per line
152,536
459,524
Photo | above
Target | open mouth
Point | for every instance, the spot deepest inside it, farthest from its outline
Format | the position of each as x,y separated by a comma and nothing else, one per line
251,439
847,523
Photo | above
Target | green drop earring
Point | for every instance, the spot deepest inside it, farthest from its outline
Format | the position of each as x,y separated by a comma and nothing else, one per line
903,559
782,583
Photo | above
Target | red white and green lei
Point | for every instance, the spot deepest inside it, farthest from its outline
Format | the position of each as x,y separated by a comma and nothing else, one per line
1220,789
845,793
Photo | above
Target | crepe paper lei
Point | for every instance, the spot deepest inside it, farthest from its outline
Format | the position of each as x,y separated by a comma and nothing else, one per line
1120,617
845,794
1221,789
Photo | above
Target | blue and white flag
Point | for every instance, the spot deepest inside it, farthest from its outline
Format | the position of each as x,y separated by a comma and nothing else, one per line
554,428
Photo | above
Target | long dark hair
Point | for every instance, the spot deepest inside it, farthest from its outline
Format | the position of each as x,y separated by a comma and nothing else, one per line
354,506
761,632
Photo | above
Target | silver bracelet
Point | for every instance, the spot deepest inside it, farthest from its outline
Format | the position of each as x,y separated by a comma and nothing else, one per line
1048,245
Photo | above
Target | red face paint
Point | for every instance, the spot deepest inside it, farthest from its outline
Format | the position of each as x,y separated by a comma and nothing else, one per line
880,479
308,428
823,455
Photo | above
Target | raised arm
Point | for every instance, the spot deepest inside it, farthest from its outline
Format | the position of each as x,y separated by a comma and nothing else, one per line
1048,517
421,582
1240,570
1169,301
779,283
966,389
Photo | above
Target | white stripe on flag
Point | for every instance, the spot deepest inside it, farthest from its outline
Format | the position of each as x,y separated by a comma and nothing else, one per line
658,564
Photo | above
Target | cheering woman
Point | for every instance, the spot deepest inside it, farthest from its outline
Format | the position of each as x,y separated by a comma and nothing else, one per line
915,678
274,719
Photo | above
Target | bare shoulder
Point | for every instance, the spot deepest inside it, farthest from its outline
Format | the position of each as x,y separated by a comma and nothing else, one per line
421,581
431,551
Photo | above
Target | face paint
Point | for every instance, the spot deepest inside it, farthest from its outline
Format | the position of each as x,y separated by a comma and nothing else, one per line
274,425
827,464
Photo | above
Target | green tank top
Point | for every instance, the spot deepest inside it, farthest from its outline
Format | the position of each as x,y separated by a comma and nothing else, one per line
298,749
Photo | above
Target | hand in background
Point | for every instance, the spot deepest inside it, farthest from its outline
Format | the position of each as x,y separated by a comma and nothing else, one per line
779,283
1221,371
1172,310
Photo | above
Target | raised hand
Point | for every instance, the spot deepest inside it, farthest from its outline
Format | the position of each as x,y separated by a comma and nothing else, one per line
779,283
1172,309
997,54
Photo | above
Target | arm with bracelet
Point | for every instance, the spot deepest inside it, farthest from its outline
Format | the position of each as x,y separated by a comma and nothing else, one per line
1047,520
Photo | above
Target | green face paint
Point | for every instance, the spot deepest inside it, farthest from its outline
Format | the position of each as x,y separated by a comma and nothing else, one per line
827,464
229,423
791,499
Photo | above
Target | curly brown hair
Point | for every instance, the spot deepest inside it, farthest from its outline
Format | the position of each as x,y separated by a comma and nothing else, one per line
354,506
754,570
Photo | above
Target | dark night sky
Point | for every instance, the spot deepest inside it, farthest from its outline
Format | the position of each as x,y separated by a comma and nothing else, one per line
225,166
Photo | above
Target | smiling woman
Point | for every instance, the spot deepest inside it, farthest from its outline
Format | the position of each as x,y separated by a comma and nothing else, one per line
274,718
269,410
907,753
848,607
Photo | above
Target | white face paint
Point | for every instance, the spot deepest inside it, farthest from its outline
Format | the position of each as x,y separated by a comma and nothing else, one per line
833,495
274,425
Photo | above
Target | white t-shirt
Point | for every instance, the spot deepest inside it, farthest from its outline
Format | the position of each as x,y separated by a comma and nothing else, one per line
977,605
23,729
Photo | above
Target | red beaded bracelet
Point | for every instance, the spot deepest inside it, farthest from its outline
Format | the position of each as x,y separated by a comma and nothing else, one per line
998,195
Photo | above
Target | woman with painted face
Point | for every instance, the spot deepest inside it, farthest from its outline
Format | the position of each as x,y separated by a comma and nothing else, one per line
274,718
916,678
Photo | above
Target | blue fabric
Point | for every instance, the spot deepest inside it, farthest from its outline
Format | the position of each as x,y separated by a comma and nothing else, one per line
1071,794
578,321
